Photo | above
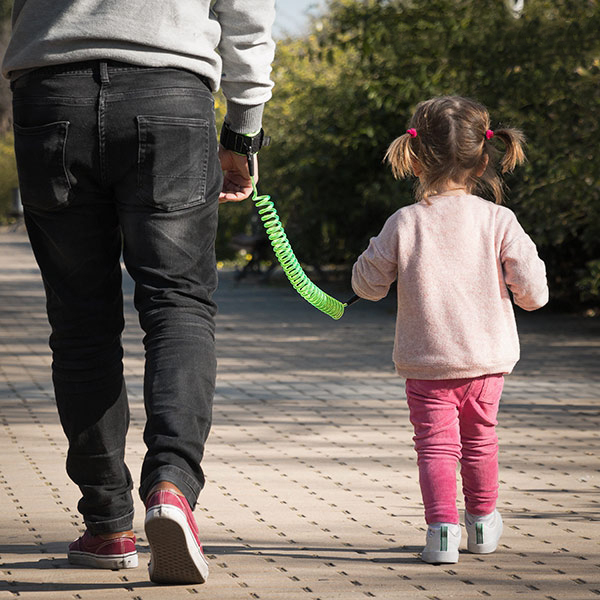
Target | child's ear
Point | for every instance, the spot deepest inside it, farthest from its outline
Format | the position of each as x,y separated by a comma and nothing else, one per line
416,167
484,163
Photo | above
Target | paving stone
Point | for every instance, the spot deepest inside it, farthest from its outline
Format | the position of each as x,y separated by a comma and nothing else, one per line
312,487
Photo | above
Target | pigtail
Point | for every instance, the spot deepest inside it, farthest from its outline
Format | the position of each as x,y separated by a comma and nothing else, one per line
514,155
400,156
514,140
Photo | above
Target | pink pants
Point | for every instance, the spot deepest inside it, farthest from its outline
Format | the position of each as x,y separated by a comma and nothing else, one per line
455,420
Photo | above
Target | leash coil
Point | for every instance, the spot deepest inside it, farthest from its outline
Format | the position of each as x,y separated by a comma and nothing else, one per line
288,261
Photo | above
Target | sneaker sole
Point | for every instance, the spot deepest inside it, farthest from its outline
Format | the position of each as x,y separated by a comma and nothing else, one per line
439,557
175,555
121,561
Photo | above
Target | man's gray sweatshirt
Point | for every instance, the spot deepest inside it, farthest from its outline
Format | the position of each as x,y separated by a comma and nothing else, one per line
227,41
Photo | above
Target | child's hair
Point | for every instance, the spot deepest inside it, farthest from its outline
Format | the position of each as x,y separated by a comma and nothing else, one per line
449,137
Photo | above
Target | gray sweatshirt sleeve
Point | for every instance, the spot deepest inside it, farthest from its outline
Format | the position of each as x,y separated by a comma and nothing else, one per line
247,51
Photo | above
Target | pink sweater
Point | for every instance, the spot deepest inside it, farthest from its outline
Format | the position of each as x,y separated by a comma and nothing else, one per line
455,258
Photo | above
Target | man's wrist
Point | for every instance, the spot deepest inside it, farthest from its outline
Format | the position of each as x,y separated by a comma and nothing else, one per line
243,143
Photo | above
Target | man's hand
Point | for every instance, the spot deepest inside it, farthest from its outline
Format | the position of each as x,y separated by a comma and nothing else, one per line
237,184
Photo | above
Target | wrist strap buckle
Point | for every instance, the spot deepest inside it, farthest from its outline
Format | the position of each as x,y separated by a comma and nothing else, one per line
241,143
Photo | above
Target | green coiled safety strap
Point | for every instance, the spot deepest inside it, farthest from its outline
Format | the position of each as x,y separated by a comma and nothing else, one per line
289,263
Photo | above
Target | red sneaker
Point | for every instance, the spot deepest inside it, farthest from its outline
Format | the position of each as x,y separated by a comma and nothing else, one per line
176,551
94,551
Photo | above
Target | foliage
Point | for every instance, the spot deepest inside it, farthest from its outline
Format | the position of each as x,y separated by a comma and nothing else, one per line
347,90
8,177
590,283
5,9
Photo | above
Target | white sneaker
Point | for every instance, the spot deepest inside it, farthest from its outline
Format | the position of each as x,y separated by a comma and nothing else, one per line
443,540
483,532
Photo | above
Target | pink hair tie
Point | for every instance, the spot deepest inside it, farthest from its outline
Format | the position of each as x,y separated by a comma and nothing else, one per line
412,132
489,134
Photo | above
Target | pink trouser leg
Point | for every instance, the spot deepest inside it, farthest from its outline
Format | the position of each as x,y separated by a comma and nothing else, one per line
479,462
437,441
455,420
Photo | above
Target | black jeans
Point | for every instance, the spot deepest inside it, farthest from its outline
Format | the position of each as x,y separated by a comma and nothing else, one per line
112,159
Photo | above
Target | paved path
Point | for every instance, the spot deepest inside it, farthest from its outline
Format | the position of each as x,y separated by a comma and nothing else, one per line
312,483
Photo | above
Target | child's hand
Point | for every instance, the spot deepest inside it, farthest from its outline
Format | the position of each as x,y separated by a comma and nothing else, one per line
237,184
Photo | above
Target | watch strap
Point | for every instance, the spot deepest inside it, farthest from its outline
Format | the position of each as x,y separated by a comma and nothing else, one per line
242,143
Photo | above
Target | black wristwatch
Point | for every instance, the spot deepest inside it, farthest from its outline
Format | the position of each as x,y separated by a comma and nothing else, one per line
241,143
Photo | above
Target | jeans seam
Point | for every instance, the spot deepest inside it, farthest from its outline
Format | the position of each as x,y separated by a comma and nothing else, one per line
101,124
467,393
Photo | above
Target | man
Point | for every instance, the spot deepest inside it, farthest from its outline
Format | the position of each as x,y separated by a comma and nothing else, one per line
117,153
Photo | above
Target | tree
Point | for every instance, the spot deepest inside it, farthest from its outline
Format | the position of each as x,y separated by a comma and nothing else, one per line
347,90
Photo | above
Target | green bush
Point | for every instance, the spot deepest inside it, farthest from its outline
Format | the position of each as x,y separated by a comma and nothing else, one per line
347,90
8,177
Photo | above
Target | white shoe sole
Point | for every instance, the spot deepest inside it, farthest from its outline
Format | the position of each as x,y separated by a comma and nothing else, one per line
126,561
439,557
175,555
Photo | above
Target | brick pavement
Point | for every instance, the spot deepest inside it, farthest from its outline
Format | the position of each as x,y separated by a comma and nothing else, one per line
312,484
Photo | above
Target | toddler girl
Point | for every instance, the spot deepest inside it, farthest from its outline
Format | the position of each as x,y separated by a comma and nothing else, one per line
456,258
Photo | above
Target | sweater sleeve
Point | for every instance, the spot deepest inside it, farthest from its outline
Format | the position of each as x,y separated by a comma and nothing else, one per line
524,270
377,267
247,51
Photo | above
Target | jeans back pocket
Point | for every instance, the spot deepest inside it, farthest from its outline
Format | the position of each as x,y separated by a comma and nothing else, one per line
172,161
41,164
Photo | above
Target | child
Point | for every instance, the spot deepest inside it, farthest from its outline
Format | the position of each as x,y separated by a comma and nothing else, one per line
455,257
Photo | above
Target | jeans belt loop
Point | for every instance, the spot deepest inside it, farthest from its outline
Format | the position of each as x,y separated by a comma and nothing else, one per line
104,78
